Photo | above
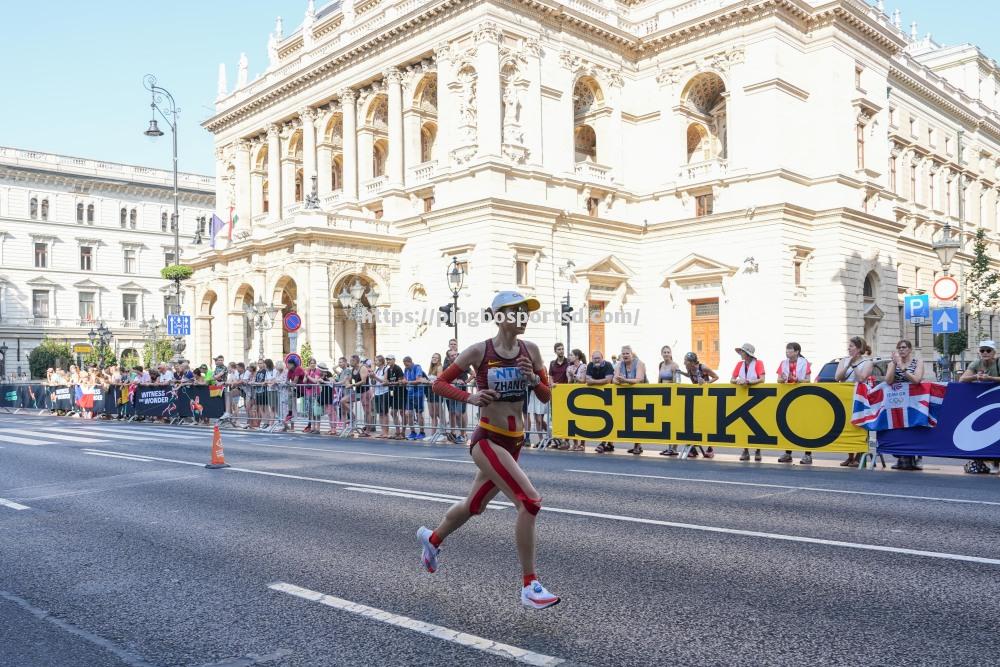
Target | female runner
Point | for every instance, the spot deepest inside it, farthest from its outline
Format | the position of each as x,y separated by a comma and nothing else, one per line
506,368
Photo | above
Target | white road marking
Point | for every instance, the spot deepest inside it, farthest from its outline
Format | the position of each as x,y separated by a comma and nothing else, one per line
34,442
348,451
14,506
43,434
102,433
652,522
794,488
507,651
450,500
127,457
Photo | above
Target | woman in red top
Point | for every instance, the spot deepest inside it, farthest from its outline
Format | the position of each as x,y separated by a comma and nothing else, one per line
506,369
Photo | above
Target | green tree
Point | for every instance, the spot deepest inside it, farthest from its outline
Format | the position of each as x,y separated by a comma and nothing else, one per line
982,286
956,342
49,354
306,353
94,358
130,361
165,349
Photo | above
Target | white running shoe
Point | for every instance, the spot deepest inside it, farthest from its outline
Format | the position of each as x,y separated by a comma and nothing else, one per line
535,596
430,555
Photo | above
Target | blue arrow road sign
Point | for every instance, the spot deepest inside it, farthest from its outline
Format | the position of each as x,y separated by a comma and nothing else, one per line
178,325
944,320
917,306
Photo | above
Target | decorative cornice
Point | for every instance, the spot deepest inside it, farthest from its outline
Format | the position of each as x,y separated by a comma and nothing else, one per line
487,31
392,75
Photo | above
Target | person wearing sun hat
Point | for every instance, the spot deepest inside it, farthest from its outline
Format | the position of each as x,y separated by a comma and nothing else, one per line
749,371
506,369
986,368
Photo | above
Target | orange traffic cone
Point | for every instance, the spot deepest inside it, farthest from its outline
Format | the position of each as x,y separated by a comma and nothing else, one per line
218,460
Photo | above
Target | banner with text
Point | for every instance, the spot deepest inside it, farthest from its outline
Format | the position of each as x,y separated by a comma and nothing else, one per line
808,417
968,426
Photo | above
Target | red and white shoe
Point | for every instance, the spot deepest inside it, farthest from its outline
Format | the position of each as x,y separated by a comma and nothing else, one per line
535,596
430,555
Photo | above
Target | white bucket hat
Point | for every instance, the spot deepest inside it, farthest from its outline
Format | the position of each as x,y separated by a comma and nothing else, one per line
990,344
749,349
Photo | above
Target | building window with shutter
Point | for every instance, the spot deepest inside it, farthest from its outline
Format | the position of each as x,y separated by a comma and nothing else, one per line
41,255
86,258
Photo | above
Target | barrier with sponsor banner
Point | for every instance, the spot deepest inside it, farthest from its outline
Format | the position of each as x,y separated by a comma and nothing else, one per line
168,401
807,417
968,426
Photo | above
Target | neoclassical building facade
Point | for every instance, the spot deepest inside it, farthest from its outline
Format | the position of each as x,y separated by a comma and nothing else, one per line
695,174
82,242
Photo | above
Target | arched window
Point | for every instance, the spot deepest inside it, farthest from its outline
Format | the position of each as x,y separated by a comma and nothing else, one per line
124,217
870,287
380,153
34,208
163,221
338,173
45,209
90,214
585,143
133,217
428,134
703,102
79,213
699,143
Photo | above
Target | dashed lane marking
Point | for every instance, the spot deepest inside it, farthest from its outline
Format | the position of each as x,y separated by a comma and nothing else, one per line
507,651
14,506
816,489
640,520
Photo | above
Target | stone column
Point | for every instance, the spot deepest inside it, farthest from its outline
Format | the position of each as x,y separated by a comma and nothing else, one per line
348,102
414,141
242,202
366,167
273,173
394,170
447,113
222,202
613,139
308,117
287,184
488,97
531,113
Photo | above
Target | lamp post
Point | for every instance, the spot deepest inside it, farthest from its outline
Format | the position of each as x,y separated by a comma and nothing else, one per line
455,276
261,317
3,359
353,303
100,339
169,113
946,246
151,327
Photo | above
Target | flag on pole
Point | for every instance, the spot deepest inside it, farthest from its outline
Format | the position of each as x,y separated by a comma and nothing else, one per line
216,227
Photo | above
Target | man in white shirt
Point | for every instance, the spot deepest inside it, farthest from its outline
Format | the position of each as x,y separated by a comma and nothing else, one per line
166,375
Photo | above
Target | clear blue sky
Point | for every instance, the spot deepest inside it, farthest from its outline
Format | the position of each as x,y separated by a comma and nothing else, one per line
72,72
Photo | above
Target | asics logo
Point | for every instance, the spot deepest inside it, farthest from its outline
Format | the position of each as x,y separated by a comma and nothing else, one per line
970,439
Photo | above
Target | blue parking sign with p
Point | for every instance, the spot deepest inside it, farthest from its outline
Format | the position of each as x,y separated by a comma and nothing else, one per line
917,306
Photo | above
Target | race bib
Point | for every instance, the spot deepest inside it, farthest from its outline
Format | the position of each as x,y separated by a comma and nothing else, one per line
506,381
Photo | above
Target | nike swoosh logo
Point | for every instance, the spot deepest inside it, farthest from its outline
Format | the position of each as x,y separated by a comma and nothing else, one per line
493,363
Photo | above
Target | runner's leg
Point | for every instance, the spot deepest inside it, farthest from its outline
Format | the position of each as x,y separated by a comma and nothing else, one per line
501,469
483,491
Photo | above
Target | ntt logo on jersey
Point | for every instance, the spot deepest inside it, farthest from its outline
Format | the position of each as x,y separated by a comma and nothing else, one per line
780,416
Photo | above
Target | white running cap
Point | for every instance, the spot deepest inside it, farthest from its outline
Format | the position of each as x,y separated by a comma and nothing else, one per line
506,299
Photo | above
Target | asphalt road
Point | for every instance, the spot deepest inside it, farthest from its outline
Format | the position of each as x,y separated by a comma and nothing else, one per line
154,560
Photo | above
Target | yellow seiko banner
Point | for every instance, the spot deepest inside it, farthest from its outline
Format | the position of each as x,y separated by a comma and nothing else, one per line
807,417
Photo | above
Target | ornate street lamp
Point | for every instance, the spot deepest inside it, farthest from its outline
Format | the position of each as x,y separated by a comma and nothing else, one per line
261,317
352,302
151,328
3,359
169,114
456,278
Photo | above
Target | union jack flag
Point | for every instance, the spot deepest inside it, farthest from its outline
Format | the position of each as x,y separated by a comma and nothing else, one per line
899,405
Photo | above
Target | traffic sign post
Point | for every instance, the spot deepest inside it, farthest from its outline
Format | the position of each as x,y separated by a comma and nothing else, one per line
178,325
945,288
945,321
917,306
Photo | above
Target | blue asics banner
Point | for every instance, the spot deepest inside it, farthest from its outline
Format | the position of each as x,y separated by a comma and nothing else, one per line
968,426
